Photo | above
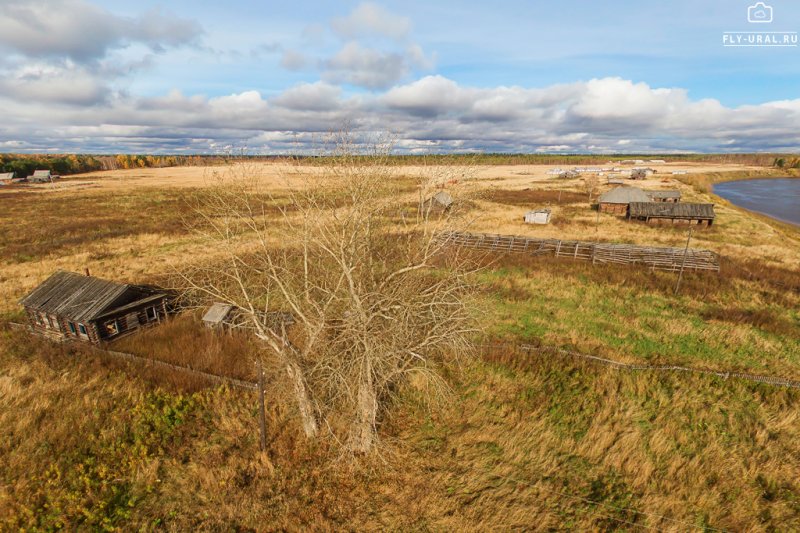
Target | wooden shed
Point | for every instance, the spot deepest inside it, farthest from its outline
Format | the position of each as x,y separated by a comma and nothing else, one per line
69,306
538,216
217,315
673,196
672,213
41,176
617,200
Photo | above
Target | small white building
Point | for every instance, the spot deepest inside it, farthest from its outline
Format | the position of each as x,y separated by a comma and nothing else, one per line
538,216
41,176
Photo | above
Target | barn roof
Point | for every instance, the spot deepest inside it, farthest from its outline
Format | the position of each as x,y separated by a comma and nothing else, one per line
664,194
6,175
74,296
671,210
41,173
217,313
624,195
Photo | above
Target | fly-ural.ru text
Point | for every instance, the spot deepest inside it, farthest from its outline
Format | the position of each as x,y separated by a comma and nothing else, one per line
745,38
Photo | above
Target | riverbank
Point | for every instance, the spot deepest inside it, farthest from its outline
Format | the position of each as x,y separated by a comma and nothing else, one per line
777,198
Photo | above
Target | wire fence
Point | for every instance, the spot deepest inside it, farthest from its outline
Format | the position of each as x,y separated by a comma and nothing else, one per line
619,365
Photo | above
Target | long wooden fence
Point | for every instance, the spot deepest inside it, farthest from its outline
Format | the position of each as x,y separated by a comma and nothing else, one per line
657,258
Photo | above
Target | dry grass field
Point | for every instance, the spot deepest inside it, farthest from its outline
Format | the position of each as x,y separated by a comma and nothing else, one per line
519,443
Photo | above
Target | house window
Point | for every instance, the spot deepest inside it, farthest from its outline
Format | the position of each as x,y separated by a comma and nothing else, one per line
151,314
82,329
112,328
72,328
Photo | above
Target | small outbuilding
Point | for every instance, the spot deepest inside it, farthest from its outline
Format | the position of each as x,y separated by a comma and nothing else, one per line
69,306
538,216
217,315
41,176
638,174
617,199
6,178
569,174
672,213
664,196
439,202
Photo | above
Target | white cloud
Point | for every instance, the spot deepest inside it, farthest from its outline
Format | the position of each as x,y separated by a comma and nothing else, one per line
318,96
365,67
294,60
83,32
50,84
371,19
430,114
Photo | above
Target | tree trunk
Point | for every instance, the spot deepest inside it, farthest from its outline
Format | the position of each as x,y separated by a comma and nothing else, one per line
363,435
303,401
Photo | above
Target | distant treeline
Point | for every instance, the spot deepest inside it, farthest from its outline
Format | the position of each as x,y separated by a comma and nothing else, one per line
24,164
784,160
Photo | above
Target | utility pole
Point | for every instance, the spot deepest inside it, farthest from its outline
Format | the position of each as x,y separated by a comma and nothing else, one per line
262,421
683,263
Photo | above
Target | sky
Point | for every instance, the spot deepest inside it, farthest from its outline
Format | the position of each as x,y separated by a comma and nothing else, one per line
566,76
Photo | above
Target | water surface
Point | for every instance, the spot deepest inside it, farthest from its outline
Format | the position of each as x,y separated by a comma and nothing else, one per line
775,197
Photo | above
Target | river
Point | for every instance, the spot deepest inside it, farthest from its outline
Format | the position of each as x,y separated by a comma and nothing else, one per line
776,197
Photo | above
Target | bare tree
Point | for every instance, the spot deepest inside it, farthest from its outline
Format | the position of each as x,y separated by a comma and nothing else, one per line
591,184
353,253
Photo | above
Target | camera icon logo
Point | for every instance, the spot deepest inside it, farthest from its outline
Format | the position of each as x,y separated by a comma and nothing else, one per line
759,13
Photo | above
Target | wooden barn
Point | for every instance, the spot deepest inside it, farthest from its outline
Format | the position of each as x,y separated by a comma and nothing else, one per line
664,196
6,178
617,200
41,176
639,174
538,216
69,306
672,213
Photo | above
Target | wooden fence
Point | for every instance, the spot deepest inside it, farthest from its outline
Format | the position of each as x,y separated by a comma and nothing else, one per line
669,259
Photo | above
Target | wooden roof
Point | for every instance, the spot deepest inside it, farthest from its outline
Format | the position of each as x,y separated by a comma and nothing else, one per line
217,313
664,194
671,210
77,297
624,195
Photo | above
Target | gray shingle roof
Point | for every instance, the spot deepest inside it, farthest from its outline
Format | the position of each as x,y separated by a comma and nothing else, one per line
663,194
671,210
624,195
77,297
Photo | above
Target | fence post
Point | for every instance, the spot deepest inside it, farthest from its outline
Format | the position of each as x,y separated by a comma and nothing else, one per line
262,421
683,263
